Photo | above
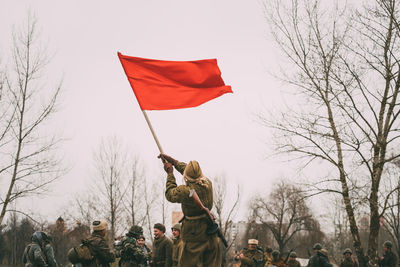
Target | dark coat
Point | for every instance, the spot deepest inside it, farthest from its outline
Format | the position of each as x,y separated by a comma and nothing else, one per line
33,256
162,252
389,259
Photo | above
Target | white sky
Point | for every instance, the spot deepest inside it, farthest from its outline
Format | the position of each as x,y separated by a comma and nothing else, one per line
98,102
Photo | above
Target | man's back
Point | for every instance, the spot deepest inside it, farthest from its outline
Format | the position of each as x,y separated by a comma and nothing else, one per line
100,250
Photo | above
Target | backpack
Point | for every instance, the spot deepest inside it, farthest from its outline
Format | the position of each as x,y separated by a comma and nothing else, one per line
80,254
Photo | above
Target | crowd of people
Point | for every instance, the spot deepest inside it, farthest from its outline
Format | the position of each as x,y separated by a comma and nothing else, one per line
196,239
254,256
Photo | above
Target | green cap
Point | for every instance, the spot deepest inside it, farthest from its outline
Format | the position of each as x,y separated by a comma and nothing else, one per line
293,254
317,246
388,244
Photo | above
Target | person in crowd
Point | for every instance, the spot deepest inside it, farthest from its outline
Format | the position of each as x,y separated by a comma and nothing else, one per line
102,253
251,256
292,262
128,248
319,259
177,244
348,261
268,256
201,247
33,254
277,259
389,259
146,250
162,247
49,251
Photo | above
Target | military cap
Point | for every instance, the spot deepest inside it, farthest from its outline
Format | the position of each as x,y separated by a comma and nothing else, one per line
160,227
317,246
293,254
347,250
176,226
99,225
268,250
192,170
135,230
388,244
275,253
253,242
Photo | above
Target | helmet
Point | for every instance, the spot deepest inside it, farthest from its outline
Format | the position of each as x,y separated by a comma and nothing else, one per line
317,246
347,250
388,244
177,226
293,254
275,253
135,231
37,237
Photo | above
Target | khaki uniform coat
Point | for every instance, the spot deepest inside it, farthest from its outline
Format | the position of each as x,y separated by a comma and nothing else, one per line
198,248
100,250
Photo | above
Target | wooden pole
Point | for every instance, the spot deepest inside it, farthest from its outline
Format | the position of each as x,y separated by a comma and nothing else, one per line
152,132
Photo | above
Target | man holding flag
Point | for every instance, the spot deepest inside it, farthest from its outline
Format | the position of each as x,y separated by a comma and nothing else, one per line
164,85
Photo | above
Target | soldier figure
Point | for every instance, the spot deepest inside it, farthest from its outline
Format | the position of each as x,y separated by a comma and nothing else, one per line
162,247
177,244
292,262
389,259
147,252
277,259
49,251
348,260
268,256
128,249
199,247
99,248
33,253
251,256
319,259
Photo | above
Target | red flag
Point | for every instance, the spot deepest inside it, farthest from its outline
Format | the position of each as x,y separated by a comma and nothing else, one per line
161,85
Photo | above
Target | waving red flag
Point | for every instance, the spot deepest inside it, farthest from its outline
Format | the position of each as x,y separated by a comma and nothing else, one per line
162,85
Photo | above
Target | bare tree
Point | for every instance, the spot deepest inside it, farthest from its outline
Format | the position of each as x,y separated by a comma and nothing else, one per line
110,169
28,160
134,191
284,212
225,209
347,69
391,219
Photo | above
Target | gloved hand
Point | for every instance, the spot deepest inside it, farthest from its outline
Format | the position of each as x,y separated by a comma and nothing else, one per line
168,167
168,158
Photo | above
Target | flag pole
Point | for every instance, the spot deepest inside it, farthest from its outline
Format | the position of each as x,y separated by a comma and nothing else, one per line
152,131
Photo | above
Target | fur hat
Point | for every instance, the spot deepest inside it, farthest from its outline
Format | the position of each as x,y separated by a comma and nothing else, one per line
99,225
160,227
253,242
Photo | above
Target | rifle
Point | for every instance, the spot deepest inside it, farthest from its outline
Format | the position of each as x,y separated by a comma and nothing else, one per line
287,256
213,226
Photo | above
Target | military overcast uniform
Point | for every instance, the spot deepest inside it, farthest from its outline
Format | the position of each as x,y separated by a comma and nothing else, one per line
252,258
100,250
198,248
33,254
162,252
130,253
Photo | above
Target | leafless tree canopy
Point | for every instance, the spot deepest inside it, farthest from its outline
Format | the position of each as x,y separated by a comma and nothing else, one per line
346,68
28,162
284,212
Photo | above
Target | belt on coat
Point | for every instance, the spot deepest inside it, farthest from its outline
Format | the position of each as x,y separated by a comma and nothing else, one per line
192,218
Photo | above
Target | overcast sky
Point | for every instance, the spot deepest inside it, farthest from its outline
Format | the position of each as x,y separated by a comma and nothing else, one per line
97,100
